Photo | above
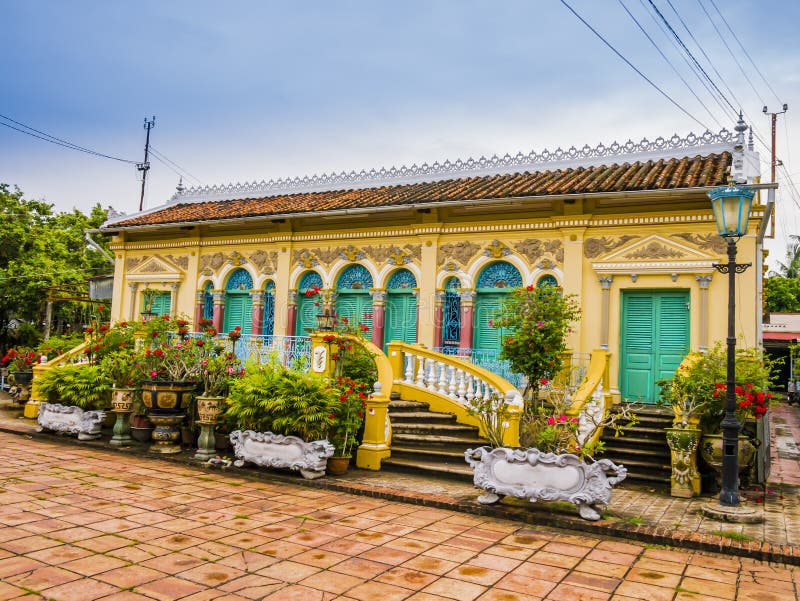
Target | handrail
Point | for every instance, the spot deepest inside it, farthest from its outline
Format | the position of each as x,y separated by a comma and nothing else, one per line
449,383
40,368
592,399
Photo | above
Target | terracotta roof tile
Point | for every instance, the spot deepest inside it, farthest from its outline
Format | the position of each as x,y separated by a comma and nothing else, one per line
688,172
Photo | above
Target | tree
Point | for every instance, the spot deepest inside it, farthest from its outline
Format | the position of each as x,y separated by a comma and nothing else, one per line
791,269
782,294
539,320
38,249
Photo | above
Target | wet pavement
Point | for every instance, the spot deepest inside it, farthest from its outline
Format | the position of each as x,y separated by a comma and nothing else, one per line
85,523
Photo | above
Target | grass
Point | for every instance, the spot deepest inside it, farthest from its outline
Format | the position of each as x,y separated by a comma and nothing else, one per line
732,534
634,520
241,516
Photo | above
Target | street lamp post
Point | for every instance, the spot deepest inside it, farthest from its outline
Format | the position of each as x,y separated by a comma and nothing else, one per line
731,206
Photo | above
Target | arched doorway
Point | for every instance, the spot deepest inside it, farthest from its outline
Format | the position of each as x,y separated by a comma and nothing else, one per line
238,303
401,308
352,297
208,301
268,327
494,283
451,314
306,309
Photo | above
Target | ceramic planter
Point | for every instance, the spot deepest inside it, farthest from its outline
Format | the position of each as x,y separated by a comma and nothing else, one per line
711,451
275,450
23,378
122,399
685,479
70,420
208,410
165,397
531,474
338,465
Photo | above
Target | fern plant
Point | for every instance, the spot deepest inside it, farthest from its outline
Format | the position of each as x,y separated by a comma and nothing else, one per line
84,386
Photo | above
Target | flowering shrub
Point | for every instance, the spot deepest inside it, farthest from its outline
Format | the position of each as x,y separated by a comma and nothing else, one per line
347,416
20,359
235,334
491,413
537,321
750,402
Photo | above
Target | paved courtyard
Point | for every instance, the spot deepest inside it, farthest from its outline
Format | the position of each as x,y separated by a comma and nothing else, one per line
83,524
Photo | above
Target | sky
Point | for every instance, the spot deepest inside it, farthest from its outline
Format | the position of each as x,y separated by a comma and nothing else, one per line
252,90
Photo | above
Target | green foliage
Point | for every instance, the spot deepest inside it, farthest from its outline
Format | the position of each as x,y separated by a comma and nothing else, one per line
42,249
539,320
491,413
782,295
121,367
791,269
269,398
693,387
83,386
58,345
347,416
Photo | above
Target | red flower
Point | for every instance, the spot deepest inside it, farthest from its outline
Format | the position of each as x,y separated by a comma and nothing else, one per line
529,288
101,307
331,416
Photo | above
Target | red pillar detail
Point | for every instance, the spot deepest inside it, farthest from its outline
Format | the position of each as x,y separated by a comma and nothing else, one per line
378,312
466,327
438,316
292,320
258,320
219,312
198,314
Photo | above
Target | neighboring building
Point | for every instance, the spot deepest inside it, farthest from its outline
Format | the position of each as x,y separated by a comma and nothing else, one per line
780,331
427,253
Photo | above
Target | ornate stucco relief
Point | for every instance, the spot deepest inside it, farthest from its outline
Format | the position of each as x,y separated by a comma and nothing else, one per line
711,242
132,262
535,249
594,247
212,263
181,261
458,252
265,262
153,266
653,251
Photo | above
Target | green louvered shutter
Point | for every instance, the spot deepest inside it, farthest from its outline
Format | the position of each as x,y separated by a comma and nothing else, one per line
306,315
162,304
487,307
238,312
655,338
354,306
401,317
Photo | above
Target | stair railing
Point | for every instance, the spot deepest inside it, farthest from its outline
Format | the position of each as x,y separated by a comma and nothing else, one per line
592,398
450,384
71,356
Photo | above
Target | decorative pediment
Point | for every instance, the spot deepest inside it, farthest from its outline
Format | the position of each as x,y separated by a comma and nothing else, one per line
155,269
654,254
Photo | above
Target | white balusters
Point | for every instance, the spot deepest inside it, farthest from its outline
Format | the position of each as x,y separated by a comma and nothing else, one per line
408,374
431,374
451,385
461,388
441,384
478,390
421,373
470,387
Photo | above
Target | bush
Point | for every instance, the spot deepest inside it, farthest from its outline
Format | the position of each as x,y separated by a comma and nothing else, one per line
58,345
83,386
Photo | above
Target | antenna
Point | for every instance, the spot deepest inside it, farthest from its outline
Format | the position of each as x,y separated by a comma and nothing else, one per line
144,166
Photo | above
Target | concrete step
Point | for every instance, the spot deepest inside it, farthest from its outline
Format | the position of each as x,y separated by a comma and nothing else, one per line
460,471
417,440
437,429
419,416
400,405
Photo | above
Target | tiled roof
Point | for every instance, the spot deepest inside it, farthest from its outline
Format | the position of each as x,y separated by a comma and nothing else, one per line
665,174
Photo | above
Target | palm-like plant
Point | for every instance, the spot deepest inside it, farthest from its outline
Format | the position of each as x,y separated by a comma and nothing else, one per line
791,269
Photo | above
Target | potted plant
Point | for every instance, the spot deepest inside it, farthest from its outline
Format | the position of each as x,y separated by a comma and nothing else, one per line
122,369
149,296
20,362
347,420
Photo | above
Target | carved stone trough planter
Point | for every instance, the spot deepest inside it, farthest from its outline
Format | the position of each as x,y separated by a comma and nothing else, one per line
70,420
266,449
531,474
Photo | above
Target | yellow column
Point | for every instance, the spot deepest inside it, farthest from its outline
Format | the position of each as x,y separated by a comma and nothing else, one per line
426,304
573,279
281,279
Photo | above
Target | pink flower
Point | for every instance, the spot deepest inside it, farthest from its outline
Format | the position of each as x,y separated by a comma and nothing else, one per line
562,418
543,381
491,323
153,374
539,324
574,420
551,420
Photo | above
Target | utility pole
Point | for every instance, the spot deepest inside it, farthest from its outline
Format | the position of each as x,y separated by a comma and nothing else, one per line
145,165
774,162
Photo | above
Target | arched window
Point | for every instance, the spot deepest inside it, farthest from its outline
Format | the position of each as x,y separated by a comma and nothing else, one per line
494,283
547,280
269,309
307,308
353,300
355,277
238,303
401,308
208,301
451,314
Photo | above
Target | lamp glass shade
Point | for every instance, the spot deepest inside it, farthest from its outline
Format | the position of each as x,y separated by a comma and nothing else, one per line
732,206
325,321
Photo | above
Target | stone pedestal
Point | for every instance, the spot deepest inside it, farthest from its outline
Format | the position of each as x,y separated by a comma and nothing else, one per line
167,433
122,429
205,443
685,479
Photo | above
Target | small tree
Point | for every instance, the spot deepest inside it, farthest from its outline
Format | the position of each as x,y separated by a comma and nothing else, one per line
538,321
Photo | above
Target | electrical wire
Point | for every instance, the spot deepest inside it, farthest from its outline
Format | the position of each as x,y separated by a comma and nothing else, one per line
58,141
669,62
632,66
725,42
176,165
746,53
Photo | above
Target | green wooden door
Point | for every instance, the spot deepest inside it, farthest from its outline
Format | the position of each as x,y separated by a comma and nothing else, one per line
306,314
401,317
238,312
487,308
357,307
162,304
654,341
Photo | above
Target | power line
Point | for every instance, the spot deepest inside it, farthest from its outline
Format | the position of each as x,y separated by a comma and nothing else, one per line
725,42
669,62
632,66
160,154
57,141
689,53
746,53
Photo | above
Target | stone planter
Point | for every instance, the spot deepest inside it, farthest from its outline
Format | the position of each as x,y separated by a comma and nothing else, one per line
338,465
711,451
531,474
266,449
70,420
22,378
167,398
208,410
142,434
685,479
122,399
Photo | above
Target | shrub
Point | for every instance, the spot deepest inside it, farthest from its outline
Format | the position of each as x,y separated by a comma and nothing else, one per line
84,386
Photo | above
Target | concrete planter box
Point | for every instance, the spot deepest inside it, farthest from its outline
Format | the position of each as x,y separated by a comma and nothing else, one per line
531,474
70,420
266,449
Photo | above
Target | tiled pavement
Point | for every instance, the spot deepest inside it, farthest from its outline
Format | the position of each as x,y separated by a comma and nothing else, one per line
84,523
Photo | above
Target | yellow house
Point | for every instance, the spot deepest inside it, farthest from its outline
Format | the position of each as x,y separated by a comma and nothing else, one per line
426,253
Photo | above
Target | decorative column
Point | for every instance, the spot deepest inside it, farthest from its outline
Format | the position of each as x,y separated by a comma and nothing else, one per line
467,311
291,313
257,298
219,309
378,316
605,282
173,300
703,281
199,308
134,286
438,318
